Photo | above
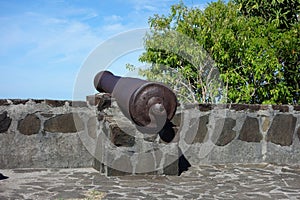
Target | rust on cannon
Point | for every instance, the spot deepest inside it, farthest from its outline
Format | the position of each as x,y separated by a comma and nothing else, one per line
150,105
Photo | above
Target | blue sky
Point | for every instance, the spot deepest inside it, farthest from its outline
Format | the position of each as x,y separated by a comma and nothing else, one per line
45,42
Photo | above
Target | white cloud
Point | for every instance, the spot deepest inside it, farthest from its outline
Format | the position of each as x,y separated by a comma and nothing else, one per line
153,5
113,18
113,24
45,52
90,16
114,28
71,43
45,37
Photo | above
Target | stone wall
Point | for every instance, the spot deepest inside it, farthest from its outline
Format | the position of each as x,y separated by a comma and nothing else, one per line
41,133
241,134
50,133
121,149
206,134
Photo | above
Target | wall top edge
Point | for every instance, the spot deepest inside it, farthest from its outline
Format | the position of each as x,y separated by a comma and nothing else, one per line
202,107
50,102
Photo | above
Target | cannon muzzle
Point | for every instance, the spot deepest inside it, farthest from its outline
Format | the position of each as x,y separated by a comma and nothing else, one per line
150,105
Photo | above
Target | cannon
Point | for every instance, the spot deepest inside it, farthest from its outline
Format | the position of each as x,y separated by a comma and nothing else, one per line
149,105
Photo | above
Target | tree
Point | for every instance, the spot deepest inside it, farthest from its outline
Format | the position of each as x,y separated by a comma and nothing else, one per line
284,13
257,57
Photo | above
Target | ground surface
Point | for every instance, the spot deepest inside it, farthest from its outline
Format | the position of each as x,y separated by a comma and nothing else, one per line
261,181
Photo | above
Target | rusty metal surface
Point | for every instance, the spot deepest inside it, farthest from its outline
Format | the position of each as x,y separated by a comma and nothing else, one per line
148,104
105,81
149,95
123,91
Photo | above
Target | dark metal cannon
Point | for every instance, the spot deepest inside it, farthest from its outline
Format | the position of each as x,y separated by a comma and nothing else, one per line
150,105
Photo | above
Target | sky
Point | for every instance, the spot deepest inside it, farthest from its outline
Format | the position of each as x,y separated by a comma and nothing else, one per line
44,44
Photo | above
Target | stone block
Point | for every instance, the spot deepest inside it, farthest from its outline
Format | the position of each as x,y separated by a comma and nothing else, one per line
91,99
171,169
97,165
55,103
282,130
227,134
47,115
171,159
250,131
205,107
37,101
64,123
92,127
100,116
191,131
177,119
171,165
104,102
297,107
280,108
145,163
239,107
257,107
5,122
265,124
79,104
30,125
114,172
283,154
19,101
199,125
202,129
158,157
120,138
236,152
4,102
121,166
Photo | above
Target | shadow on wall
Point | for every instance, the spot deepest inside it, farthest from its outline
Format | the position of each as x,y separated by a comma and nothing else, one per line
167,134
2,177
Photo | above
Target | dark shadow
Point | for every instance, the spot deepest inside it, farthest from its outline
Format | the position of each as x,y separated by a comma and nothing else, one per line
2,177
183,163
167,134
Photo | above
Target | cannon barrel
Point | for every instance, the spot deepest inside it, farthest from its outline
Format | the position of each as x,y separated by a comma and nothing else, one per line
150,105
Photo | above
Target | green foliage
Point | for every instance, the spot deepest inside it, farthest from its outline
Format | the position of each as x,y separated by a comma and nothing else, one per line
284,13
255,46
285,42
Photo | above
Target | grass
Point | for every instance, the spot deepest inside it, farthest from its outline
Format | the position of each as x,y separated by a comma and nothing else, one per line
91,195
95,195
